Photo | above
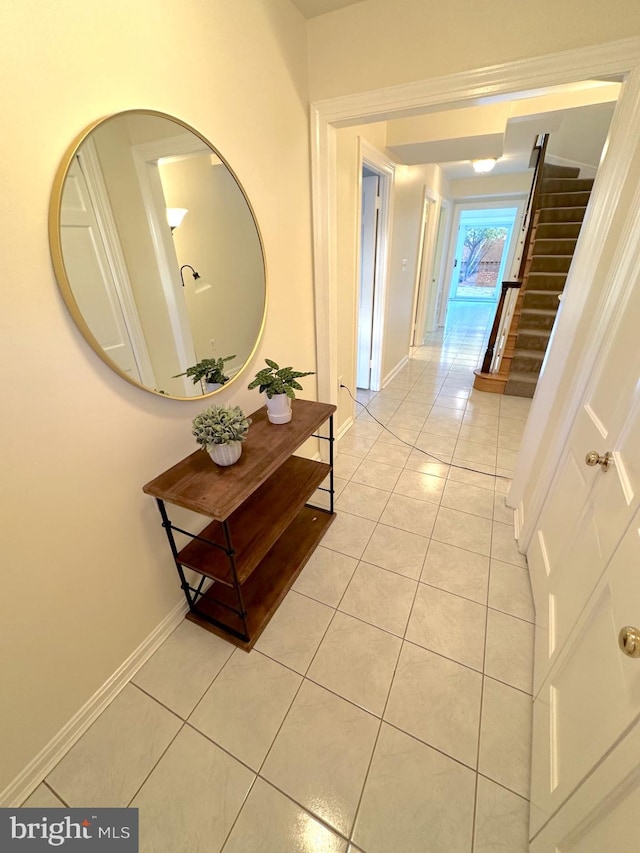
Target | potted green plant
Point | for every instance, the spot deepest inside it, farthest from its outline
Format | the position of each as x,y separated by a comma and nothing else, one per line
220,430
209,372
278,384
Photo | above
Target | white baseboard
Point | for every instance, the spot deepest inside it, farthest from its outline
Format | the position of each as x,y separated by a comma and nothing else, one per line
33,774
387,379
344,428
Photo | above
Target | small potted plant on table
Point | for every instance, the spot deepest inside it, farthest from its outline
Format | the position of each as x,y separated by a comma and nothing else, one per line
220,430
209,372
278,385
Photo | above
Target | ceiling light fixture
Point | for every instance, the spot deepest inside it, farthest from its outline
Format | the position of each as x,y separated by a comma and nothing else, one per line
484,166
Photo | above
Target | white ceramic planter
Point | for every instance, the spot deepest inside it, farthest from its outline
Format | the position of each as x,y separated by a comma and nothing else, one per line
211,386
279,409
225,454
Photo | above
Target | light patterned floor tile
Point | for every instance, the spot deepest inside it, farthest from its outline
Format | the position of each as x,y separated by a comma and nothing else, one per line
184,666
505,736
449,625
410,514
504,546
376,474
509,655
272,823
326,576
380,597
463,530
510,590
397,550
113,758
295,631
425,487
321,755
348,534
467,498
192,798
244,707
456,570
502,820
414,797
357,661
437,701
42,798
364,501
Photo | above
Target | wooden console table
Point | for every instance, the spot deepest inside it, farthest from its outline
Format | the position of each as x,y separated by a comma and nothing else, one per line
262,531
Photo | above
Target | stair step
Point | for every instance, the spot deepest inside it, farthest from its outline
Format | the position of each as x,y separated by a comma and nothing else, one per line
550,170
553,246
521,385
526,361
533,339
561,214
546,299
566,185
546,281
579,199
550,263
558,231
537,318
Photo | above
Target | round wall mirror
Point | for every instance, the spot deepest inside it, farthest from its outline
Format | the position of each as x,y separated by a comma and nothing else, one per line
158,254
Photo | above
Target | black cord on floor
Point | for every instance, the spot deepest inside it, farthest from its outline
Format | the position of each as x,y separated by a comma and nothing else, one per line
419,449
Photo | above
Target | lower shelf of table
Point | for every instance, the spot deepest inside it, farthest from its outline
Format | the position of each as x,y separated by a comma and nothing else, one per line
266,587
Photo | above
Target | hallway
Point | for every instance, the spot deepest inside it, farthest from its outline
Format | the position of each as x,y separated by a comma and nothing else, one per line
387,707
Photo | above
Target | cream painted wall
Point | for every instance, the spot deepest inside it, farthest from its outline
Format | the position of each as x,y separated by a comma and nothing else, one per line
219,239
490,185
87,572
410,40
582,135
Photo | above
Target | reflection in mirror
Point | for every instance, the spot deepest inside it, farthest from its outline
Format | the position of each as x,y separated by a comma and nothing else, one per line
155,296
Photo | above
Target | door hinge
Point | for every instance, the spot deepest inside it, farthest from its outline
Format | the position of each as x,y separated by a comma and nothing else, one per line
378,202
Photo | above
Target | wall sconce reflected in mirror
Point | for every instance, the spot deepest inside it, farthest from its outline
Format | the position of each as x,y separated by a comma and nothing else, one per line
196,275
175,215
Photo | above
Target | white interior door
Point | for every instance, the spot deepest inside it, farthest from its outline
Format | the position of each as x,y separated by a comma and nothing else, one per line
368,255
87,266
584,566
588,508
586,824
589,701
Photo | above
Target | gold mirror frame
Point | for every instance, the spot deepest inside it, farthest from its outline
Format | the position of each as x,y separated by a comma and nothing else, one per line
60,269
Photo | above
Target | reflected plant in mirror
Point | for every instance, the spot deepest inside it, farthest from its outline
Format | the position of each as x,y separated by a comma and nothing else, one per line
208,372
120,258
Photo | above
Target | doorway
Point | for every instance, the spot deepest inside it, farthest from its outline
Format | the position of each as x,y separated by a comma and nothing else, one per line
481,254
375,198
482,243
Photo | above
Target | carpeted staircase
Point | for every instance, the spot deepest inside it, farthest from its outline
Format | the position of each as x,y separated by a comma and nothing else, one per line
556,226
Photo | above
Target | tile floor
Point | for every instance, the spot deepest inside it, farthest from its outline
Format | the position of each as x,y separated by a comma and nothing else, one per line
387,707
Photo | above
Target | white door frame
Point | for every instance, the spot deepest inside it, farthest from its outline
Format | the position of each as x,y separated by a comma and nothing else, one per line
425,266
487,85
90,165
379,163
145,157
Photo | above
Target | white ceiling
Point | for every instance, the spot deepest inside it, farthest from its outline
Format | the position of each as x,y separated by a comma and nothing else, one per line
314,8
452,138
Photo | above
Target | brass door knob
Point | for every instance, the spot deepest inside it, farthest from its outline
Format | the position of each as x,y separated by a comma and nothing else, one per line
593,458
629,641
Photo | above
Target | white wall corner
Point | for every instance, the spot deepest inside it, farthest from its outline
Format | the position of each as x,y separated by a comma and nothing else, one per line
394,372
